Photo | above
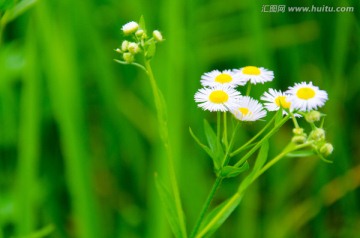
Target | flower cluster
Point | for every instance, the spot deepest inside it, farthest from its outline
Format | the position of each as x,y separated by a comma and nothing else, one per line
219,93
140,41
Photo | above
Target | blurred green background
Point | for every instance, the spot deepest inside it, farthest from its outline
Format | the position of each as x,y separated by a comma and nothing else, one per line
78,139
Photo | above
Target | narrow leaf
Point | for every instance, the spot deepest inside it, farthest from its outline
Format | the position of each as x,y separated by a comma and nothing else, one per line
218,216
16,11
278,116
142,23
204,147
170,207
217,153
231,171
151,49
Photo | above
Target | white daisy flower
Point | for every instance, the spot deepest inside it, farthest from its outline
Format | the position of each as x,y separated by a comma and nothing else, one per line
275,99
219,98
248,109
255,74
215,77
130,27
306,97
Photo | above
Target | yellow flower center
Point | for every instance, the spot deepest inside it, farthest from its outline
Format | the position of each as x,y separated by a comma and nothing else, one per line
305,93
281,101
244,111
218,96
252,70
223,78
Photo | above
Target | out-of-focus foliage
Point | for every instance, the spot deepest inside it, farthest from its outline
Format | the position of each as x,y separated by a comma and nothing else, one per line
78,139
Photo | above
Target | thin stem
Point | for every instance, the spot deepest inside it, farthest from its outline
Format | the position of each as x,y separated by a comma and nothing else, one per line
255,137
267,136
216,184
225,136
206,206
248,90
218,126
161,113
294,120
135,64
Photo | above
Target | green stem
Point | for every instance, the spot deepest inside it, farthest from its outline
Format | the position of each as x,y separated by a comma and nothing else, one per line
267,136
294,120
218,126
225,137
206,206
161,113
216,184
248,90
234,200
255,137
135,64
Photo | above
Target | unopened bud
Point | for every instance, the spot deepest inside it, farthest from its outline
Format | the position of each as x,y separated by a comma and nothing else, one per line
326,149
298,131
128,57
130,27
133,48
317,134
312,116
118,50
124,45
157,36
139,33
298,139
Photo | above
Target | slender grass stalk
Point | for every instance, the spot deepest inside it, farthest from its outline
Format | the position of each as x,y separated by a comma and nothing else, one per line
29,139
162,119
218,126
254,137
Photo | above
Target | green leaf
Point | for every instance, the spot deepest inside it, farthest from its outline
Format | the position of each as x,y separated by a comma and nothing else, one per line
16,11
278,116
150,50
142,23
204,147
170,207
218,215
302,153
231,171
217,153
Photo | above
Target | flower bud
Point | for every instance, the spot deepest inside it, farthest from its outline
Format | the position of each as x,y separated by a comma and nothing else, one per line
124,45
118,50
317,134
298,139
312,116
133,48
128,57
130,27
326,149
298,131
157,36
139,33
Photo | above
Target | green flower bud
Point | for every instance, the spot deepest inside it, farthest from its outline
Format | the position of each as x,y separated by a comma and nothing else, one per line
317,134
128,57
133,48
326,149
139,33
312,116
157,36
118,50
298,139
124,45
298,131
